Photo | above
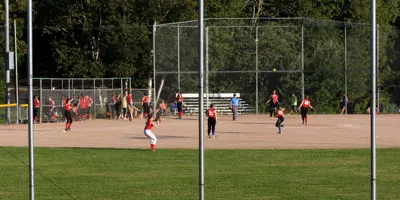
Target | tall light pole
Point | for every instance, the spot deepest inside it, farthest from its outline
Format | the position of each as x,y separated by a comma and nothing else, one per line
7,50
373,99
30,104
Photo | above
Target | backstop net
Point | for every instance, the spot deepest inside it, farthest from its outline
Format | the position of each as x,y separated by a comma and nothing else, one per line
296,57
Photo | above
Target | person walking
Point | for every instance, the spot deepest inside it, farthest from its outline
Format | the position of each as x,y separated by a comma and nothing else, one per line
305,104
212,121
343,104
273,103
294,103
279,124
233,105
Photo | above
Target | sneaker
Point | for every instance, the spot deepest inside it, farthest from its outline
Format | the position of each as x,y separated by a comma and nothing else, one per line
213,137
209,136
65,130
303,122
69,129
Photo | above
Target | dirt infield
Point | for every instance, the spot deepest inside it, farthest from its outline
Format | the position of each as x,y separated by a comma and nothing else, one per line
248,132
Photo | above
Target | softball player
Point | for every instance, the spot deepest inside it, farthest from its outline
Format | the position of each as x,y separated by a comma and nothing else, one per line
179,103
145,105
147,130
68,114
212,120
279,124
305,104
274,103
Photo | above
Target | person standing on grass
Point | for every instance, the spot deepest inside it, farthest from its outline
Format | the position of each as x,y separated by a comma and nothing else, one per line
36,107
294,103
147,130
179,100
343,103
212,121
233,105
273,103
305,104
279,124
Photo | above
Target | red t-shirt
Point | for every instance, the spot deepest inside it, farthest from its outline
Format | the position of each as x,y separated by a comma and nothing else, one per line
149,124
129,99
145,99
36,103
67,107
274,98
89,101
82,103
306,103
211,113
179,97
280,113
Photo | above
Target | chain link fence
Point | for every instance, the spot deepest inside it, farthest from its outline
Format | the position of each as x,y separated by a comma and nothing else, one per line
296,57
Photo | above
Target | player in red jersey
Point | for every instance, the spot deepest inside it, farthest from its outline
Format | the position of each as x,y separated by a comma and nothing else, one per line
36,106
82,104
279,124
129,100
305,104
145,105
274,103
89,102
212,120
68,114
179,103
151,121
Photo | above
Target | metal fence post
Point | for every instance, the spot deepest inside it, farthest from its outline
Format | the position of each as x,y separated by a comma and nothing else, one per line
377,69
207,68
154,68
16,70
94,98
257,70
179,60
302,60
69,88
41,101
345,64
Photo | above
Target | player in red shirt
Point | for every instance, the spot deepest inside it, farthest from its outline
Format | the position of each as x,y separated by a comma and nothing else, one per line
279,124
305,104
212,120
68,115
129,101
151,121
274,103
179,99
36,106
89,102
145,105
82,104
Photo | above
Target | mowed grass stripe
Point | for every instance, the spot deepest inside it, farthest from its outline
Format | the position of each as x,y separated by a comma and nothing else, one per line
173,174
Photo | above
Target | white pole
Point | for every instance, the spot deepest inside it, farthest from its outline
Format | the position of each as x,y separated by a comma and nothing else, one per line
201,97
179,60
302,61
373,99
345,63
154,69
207,69
7,50
378,102
257,70
16,70
30,104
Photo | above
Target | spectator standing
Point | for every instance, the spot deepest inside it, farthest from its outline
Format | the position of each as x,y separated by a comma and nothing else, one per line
233,104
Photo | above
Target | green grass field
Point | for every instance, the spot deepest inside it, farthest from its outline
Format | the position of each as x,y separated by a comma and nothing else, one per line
173,174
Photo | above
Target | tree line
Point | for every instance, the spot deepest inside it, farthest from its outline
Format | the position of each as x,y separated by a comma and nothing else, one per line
113,38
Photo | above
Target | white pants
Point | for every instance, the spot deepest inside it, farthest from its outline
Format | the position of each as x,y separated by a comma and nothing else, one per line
150,135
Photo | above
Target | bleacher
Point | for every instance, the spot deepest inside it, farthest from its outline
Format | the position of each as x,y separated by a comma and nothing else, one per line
220,101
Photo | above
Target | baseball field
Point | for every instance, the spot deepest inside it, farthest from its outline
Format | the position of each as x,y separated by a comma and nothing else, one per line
109,159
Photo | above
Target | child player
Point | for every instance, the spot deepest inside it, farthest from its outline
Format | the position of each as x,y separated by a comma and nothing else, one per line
279,124
145,105
212,120
68,114
179,103
274,103
305,104
151,121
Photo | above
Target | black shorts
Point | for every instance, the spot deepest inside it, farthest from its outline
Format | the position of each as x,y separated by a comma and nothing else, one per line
179,105
88,110
68,116
35,112
82,111
146,108
211,121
